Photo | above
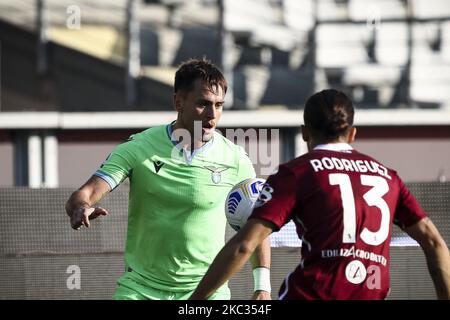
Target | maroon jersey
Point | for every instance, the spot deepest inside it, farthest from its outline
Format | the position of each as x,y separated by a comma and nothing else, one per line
343,204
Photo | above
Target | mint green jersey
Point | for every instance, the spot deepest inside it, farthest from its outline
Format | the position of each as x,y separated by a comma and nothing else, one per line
176,218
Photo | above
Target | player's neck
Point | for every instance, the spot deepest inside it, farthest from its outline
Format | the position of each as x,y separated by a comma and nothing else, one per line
197,144
317,142
192,143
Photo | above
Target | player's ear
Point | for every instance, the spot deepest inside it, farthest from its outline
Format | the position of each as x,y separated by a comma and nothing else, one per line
351,135
305,133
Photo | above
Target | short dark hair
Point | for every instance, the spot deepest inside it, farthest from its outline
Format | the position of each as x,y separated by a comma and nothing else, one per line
194,69
329,114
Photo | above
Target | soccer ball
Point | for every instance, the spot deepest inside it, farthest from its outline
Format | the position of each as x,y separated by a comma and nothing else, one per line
241,200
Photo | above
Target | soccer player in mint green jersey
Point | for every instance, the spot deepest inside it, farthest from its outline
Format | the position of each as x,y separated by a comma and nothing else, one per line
180,174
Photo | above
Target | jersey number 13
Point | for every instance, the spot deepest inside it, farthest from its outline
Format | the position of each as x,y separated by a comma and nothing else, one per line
373,197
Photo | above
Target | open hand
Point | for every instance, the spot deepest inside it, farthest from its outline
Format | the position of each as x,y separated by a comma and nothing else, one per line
82,216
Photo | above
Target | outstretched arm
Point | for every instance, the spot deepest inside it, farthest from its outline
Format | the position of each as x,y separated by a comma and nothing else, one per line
260,260
436,253
233,256
79,206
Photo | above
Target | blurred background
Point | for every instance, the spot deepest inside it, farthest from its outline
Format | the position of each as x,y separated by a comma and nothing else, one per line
77,77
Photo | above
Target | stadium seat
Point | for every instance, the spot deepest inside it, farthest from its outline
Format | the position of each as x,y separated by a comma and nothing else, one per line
277,36
332,10
392,44
250,82
430,84
260,19
169,43
445,44
371,75
426,42
430,8
384,9
298,14
247,14
196,14
340,45
422,55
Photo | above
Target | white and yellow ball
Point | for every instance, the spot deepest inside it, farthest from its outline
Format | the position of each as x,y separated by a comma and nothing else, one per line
241,200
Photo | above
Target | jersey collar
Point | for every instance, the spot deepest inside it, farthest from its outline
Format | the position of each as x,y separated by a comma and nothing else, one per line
189,156
334,147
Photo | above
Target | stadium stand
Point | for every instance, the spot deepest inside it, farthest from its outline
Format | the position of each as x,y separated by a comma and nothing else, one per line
392,57
326,43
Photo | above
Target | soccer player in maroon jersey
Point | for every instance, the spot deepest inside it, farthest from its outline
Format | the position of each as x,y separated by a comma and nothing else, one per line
344,204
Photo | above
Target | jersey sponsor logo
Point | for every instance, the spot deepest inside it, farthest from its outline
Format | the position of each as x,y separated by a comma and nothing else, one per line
158,165
355,272
354,253
216,173
264,196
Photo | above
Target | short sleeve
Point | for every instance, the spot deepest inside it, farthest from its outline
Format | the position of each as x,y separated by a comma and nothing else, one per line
277,199
245,166
408,211
119,164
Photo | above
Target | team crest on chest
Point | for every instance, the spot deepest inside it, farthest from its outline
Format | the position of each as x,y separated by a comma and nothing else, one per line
216,173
